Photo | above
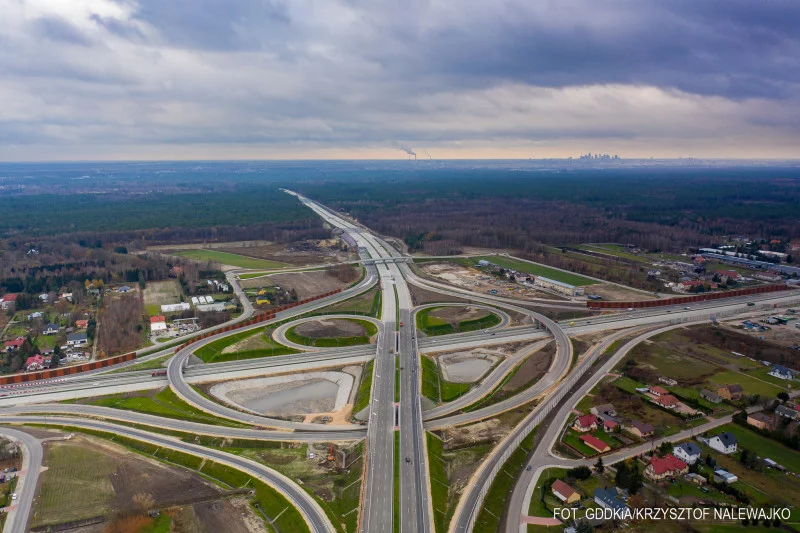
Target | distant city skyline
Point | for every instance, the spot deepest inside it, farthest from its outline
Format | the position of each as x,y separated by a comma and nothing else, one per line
180,80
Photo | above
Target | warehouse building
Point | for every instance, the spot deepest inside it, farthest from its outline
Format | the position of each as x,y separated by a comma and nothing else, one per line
558,286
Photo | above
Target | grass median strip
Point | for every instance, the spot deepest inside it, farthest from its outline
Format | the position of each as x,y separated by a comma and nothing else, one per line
162,403
370,330
364,388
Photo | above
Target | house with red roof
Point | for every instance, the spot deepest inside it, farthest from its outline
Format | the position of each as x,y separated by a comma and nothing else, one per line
158,323
8,300
658,391
609,425
585,423
663,467
668,401
34,362
594,443
564,492
82,324
14,344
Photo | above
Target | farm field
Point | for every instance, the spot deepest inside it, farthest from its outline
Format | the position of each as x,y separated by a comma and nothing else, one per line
701,357
157,293
535,269
226,258
87,477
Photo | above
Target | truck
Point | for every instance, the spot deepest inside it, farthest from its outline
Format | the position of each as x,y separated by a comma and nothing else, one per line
160,372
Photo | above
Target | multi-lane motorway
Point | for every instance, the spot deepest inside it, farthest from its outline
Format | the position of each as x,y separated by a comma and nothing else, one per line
395,413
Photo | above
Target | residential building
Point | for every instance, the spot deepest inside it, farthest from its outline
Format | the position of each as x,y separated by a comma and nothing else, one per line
640,429
608,499
77,339
761,421
658,391
50,329
786,412
688,452
663,467
731,392
124,288
724,443
594,443
158,324
585,423
35,314
8,300
667,381
668,401
610,425
14,344
723,476
558,286
34,362
564,492
781,372
82,324
710,396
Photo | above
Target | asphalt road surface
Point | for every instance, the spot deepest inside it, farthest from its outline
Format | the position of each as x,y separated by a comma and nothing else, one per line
19,514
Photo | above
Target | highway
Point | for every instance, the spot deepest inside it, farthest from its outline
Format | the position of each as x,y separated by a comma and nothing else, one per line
378,505
472,499
543,457
177,364
32,455
487,383
388,415
310,510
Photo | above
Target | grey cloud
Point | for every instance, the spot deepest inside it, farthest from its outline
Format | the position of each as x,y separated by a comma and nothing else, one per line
58,29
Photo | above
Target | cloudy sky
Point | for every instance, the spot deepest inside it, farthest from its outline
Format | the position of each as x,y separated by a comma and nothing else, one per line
182,79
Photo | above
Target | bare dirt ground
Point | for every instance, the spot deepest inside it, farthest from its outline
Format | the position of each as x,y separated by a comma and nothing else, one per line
422,296
786,335
533,368
454,315
615,293
300,253
209,245
475,280
329,329
162,292
306,284
130,474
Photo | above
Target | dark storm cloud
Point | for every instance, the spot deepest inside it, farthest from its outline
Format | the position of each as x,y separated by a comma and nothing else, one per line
375,71
728,48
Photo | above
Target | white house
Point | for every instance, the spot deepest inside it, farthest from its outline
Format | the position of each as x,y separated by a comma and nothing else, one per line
688,452
724,443
781,372
77,339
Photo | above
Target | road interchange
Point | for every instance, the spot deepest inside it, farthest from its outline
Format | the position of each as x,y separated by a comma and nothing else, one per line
396,346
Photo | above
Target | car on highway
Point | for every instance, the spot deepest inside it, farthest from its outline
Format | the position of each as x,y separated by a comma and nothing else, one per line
630,309
687,308
408,460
